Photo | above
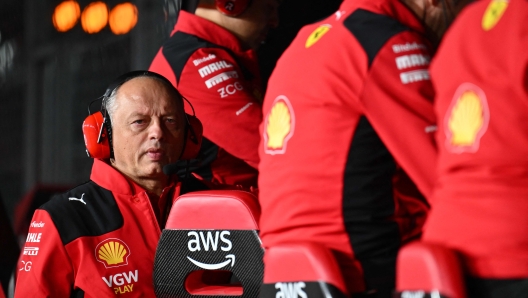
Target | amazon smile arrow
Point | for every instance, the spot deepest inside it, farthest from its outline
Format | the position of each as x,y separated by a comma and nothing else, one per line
214,266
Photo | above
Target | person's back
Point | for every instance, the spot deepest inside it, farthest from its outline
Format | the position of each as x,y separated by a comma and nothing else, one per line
211,58
348,126
480,202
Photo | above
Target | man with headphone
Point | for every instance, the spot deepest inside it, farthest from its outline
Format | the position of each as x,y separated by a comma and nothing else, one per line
347,149
211,58
99,239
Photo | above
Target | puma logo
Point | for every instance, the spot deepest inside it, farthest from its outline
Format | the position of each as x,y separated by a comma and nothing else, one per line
76,199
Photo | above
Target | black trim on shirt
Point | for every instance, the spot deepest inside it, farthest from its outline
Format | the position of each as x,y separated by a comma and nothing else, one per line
372,30
74,219
368,205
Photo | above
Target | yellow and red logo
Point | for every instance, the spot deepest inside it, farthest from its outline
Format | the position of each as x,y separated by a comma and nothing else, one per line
466,119
317,34
112,252
279,126
493,13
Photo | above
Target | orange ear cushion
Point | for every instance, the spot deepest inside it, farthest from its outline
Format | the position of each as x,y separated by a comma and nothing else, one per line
193,140
91,128
232,8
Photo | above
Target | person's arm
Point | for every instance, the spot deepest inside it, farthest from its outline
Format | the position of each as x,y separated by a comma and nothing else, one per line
225,100
398,101
44,269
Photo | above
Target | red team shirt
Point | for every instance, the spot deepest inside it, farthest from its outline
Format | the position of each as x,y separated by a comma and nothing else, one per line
207,64
480,205
348,124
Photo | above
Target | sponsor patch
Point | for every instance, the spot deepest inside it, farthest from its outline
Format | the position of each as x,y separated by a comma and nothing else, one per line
279,126
112,252
408,61
414,76
466,119
221,78
37,225
406,47
213,67
123,282
33,237
30,251
317,34
26,266
230,89
493,13
199,61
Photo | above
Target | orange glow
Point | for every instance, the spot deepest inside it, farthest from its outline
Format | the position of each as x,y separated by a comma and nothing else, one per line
123,18
94,17
66,15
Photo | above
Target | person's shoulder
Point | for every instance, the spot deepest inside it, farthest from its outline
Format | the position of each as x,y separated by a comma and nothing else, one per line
86,210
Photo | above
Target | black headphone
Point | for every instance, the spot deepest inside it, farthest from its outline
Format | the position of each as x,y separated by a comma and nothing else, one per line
97,128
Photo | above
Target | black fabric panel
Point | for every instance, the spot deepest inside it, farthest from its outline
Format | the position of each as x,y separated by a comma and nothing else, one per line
73,219
77,293
179,48
372,30
208,153
368,205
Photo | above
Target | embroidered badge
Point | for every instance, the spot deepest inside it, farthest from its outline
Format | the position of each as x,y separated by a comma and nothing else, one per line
317,34
467,119
112,252
493,14
279,126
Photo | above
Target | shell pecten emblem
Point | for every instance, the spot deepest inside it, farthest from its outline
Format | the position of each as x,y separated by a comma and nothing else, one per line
279,126
493,13
466,119
317,34
112,252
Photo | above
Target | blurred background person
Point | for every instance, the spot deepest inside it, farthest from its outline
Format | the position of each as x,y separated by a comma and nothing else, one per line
347,149
211,58
480,202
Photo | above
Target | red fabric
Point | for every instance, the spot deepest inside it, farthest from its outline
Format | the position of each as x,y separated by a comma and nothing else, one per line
481,200
230,111
328,87
215,209
430,267
58,268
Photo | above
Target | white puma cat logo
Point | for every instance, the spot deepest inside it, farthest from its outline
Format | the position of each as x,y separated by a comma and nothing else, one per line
76,199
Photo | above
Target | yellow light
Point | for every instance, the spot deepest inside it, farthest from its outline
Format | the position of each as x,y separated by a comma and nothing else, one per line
123,18
66,15
94,17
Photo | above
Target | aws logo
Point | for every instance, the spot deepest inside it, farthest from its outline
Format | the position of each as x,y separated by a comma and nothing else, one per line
210,241
493,13
290,290
279,126
317,34
112,252
466,119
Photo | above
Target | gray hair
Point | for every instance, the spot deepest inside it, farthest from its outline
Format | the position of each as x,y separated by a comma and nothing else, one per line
110,104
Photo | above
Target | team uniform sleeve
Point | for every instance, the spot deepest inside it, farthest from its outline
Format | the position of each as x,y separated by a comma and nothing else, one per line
225,101
398,101
44,269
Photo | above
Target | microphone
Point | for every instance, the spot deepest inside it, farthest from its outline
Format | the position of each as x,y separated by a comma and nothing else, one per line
177,167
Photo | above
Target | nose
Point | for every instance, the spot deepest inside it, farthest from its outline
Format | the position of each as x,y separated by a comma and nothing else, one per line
156,129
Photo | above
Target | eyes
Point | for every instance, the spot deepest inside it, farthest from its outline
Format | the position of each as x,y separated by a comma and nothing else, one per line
140,123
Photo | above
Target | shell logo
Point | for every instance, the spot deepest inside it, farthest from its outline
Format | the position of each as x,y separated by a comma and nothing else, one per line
466,119
317,34
112,252
493,14
279,126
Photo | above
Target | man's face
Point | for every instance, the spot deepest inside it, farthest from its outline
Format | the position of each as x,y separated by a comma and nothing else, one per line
252,26
147,128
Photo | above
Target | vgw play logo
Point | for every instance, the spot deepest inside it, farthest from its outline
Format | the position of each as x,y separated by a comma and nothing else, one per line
210,240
